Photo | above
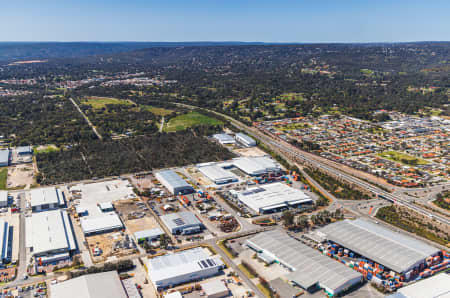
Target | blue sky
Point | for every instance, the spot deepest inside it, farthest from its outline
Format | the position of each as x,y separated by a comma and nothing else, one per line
225,20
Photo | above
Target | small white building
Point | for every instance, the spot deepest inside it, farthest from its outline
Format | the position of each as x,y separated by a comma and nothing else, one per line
181,267
148,235
48,198
98,224
215,289
245,140
182,223
3,198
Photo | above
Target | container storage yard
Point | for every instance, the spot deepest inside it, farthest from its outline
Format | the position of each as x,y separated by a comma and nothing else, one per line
386,258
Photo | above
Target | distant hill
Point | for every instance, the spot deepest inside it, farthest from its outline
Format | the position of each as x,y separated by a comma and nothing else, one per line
15,51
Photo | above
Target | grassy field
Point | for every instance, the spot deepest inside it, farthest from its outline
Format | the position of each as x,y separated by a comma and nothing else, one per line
264,290
50,148
3,178
101,102
157,111
188,120
402,158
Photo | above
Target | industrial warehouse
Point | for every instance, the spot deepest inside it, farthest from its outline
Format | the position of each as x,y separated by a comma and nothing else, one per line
182,223
4,157
49,235
103,223
217,174
181,267
224,139
3,198
5,242
309,269
173,182
273,197
46,199
395,251
434,287
245,140
257,166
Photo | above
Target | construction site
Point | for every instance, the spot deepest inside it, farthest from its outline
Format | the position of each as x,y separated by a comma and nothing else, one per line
107,247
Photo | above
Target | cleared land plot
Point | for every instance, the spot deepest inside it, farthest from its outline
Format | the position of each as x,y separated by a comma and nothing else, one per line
191,119
157,111
20,176
45,149
107,243
101,102
403,158
250,152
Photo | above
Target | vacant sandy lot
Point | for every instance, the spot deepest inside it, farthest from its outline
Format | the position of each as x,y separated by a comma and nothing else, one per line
20,176
140,224
250,152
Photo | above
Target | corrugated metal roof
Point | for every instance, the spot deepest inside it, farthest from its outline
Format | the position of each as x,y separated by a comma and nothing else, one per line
172,178
42,196
151,233
99,223
245,138
224,138
180,219
99,285
51,230
256,165
4,156
310,267
3,196
271,196
391,249
437,286
217,174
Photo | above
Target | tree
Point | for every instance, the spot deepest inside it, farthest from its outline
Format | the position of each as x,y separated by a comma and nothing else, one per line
288,218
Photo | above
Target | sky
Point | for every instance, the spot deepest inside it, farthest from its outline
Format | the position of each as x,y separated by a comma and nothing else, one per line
225,20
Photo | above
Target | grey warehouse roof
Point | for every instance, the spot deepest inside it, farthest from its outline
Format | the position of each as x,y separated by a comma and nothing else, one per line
245,137
391,249
224,138
4,156
99,285
176,220
173,179
310,267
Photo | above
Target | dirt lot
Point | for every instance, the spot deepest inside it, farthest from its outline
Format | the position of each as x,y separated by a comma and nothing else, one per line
250,152
140,224
144,182
20,176
107,243
199,177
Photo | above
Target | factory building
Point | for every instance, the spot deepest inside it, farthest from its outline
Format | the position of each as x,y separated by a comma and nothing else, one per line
215,289
245,140
181,267
98,285
24,150
182,223
174,183
309,269
49,198
217,174
224,139
393,250
3,198
437,286
4,157
5,242
273,198
257,166
103,223
148,235
49,235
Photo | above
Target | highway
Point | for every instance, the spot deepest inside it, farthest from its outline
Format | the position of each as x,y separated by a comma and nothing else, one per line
294,154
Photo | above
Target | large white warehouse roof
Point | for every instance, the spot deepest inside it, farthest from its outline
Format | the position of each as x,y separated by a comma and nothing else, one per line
391,249
168,268
98,285
437,286
217,174
256,165
224,138
309,266
271,196
51,231
46,196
